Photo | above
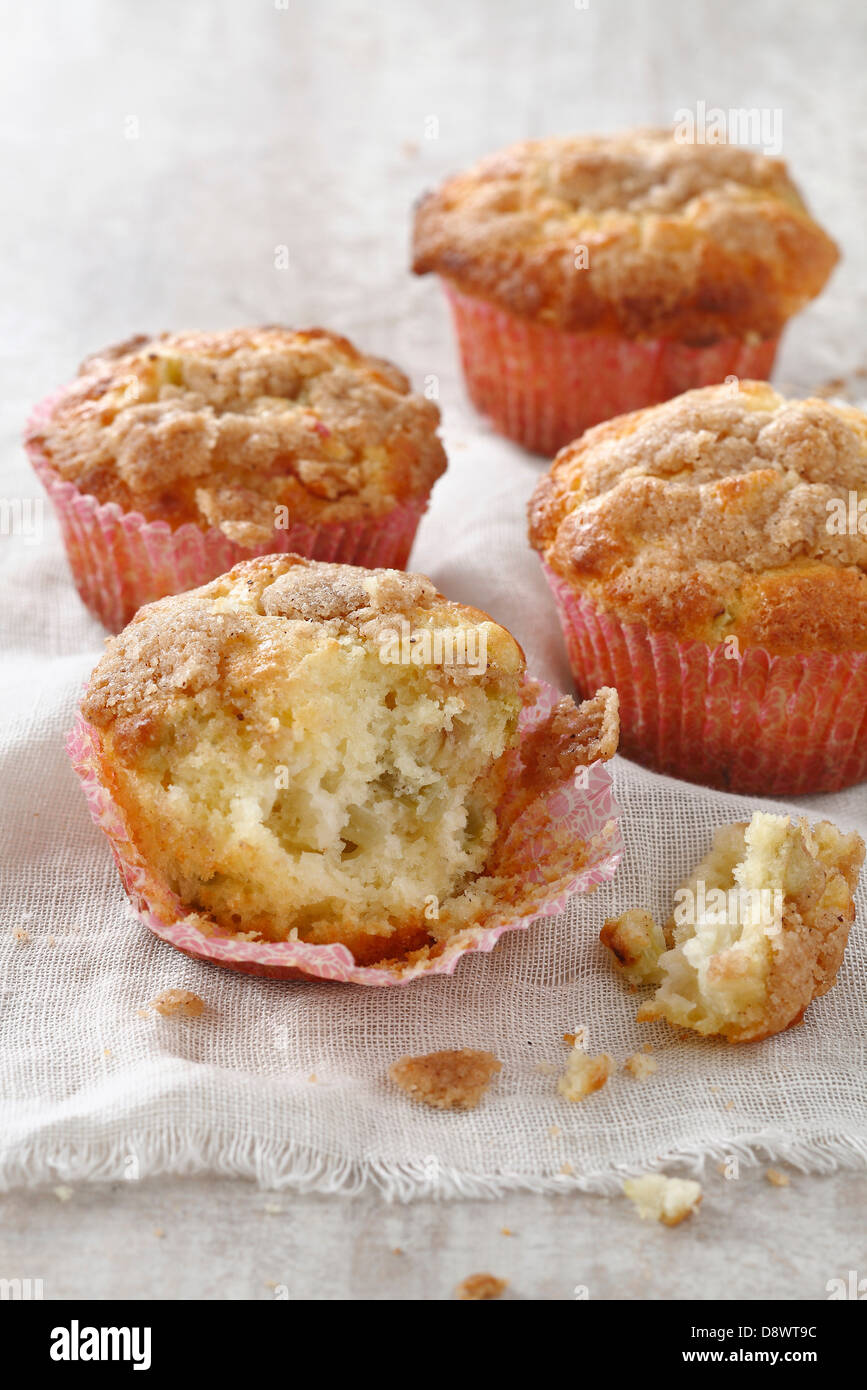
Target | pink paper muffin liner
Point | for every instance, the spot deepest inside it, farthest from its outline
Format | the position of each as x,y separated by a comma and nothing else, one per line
757,724
585,810
120,561
543,386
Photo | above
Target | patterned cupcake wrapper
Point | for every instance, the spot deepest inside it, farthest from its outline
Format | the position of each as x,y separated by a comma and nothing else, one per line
584,812
757,724
543,386
119,560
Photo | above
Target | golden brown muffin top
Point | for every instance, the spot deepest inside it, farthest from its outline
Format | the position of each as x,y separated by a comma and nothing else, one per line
726,512
222,429
692,241
249,629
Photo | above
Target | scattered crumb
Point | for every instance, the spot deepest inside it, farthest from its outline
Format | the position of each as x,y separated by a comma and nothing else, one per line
63,1194
636,943
106,1052
178,1001
272,1208
567,1170
658,1198
505,1231
730,1105
555,1131
480,1286
143,1013
313,1078
640,1066
270,1283
449,1080
776,1178
159,1232
397,1250
647,1047
584,1075
21,934
51,941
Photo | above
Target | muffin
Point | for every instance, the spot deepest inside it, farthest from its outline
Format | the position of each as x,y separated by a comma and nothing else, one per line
709,559
172,458
317,753
759,930
593,275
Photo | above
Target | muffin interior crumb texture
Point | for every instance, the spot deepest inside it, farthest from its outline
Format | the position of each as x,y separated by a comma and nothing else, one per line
225,429
667,1200
285,772
449,1080
759,929
725,513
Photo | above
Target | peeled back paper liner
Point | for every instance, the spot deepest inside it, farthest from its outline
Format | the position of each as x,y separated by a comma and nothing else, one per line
120,560
757,724
583,811
544,386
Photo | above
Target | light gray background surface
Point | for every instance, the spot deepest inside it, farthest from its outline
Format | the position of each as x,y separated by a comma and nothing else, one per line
155,159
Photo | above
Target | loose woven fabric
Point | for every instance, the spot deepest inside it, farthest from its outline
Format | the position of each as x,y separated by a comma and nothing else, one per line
285,1082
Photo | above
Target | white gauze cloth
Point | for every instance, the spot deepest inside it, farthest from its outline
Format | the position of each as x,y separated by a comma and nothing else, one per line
286,1082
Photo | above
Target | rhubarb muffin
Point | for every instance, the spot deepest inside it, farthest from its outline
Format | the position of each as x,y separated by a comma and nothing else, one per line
591,275
172,458
759,929
301,751
708,557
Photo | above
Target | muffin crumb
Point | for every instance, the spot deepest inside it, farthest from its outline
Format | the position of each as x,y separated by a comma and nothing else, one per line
178,1001
776,1178
663,1199
635,943
640,1066
477,1287
447,1080
584,1075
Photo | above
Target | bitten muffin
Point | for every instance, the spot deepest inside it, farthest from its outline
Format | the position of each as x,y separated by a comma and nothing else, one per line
323,753
591,275
709,558
759,929
173,457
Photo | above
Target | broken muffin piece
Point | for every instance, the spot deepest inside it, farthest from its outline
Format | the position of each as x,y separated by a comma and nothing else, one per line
759,929
583,1074
667,1200
449,1080
635,943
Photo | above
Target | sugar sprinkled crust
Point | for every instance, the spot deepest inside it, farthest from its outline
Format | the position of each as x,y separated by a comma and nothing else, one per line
282,778
760,928
223,429
693,241
711,517
663,1199
448,1080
